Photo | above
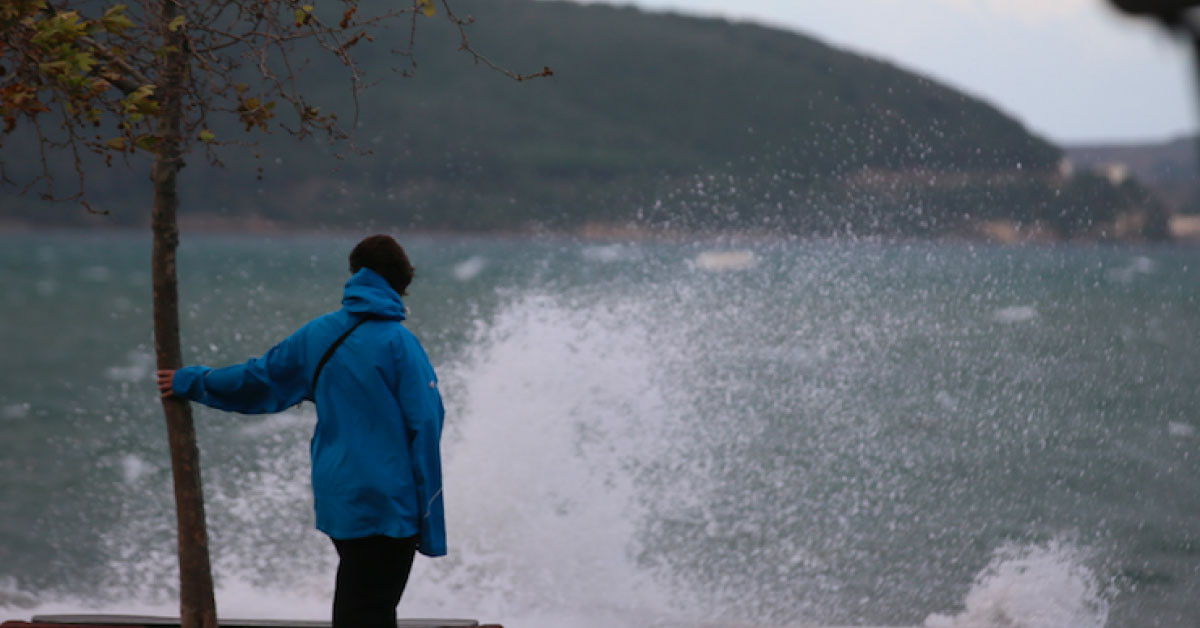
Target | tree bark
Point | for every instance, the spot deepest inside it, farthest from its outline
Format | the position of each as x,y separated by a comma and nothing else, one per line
197,607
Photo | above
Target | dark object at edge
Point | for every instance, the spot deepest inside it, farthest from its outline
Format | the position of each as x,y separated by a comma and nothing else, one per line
144,621
1172,14
1169,11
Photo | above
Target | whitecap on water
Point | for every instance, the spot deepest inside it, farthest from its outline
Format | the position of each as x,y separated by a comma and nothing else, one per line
11,595
96,273
134,468
46,287
469,268
15,411
1032,586
1015,314
1143,265
1140,265
137,368
725,260
605,253
946,400
1180,430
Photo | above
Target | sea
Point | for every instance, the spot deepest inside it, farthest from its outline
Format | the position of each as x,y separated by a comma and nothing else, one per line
726,433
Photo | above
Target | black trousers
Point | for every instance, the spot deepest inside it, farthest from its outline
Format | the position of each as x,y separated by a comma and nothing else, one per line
371,576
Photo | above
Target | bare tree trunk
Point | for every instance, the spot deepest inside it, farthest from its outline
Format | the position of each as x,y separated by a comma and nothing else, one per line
197,607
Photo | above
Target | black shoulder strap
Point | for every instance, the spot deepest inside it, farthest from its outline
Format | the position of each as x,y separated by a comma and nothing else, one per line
333,347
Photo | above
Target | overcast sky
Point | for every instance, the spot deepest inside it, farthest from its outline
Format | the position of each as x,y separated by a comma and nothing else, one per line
1071,70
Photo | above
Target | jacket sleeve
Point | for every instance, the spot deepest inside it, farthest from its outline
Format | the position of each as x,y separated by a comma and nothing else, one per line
421,405
272,383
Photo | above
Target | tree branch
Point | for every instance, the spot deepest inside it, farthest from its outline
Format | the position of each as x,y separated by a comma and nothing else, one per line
465,45
122,84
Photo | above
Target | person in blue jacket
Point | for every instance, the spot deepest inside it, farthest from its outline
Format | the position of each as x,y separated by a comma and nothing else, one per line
376,461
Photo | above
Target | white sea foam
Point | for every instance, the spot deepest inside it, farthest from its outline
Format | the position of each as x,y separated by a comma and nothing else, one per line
606,253
47,254
1015,314
1032,586
137,368
1137,266
946,400
725,260
15,410
1180,430
46,287
97,274
134,468
1142,264
12,597
470,268
549,387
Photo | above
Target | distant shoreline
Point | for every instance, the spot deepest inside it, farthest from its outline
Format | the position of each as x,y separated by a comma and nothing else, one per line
1184,229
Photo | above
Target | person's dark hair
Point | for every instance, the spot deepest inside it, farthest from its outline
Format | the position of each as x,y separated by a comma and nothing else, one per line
383,255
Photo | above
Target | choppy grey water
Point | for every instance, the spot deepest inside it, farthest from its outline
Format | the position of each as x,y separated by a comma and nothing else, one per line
649,434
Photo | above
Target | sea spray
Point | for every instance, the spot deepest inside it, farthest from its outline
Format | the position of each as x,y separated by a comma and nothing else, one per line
1032,586
558,408
841,434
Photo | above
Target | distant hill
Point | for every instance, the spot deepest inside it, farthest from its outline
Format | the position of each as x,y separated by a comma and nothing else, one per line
1169,168
650,121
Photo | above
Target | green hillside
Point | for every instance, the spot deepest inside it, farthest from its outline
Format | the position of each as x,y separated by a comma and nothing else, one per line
650,120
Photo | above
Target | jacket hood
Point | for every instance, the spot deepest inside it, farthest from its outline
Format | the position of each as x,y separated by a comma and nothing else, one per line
367,292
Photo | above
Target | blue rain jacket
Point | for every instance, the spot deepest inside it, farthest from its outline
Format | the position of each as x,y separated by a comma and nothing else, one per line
376,461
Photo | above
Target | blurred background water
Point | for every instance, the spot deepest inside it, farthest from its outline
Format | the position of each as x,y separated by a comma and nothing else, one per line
766,433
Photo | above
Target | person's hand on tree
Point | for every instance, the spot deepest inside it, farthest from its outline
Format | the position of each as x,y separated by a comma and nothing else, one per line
166,379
